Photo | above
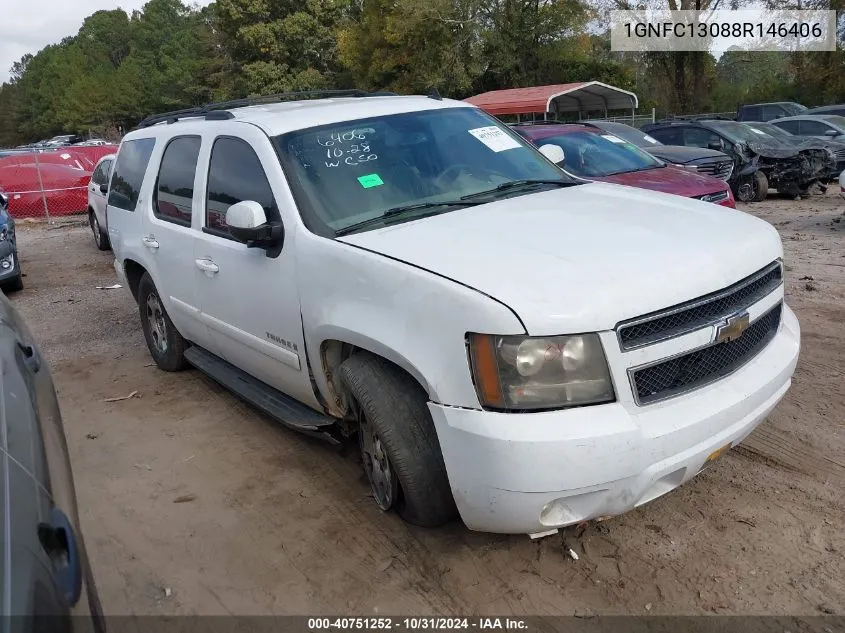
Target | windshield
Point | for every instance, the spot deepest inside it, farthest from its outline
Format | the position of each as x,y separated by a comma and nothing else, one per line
771,130
630,134
794,108
592,155
738,132
835,119
346,173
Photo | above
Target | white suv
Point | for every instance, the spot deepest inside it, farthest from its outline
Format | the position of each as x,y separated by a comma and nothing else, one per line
508,342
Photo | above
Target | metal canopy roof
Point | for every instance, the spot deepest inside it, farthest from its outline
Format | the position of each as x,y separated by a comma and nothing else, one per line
575,97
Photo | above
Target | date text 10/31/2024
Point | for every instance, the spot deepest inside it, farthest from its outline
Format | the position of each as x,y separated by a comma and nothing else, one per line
417,623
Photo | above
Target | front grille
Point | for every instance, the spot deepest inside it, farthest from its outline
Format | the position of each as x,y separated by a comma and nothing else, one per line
703,366
839,154
721,169
698,313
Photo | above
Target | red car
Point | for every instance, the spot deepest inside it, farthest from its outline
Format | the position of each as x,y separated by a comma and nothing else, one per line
64,176
593,154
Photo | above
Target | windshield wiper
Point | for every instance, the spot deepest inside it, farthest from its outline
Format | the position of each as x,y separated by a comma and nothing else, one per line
397,211
515,184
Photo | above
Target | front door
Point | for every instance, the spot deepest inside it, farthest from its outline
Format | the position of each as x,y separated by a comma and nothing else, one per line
250,301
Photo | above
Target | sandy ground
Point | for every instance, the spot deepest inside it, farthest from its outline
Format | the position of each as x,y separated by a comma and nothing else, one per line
276,523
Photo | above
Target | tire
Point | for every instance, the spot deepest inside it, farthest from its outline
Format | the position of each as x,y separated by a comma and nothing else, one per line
392,407
100,238
166,345
760,185
15,284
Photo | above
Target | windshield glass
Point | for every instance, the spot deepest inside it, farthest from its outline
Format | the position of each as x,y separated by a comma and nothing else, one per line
630,134
835,119
592,155
738,132
771,130
346,173
794,108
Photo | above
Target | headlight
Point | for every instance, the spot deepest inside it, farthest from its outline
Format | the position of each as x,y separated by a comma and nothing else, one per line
548,372
689,167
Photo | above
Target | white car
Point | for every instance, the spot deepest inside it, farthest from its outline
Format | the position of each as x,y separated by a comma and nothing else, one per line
509,343
97,190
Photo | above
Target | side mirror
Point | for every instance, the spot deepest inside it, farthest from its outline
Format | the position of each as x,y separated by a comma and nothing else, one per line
104,188
4,201
831,133
248,223
718,145
553,152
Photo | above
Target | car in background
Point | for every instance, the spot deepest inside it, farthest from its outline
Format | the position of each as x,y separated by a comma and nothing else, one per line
11,277
698,159
97,192
838,108
48,584
594,154
826,126
760,160
835,147
768,111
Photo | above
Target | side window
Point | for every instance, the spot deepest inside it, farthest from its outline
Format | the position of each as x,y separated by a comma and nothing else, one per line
751,113
699,137
106,166
772,112
235,174
132,160
174,191
813,128
98,177
789,126
668,135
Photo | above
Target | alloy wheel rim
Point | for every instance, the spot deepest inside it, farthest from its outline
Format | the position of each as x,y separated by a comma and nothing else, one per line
158,327
383,481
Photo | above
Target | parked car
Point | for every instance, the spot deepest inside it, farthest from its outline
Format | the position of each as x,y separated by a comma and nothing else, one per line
595,154
768,111
698,159
760,160
11,277
835,147
97,191
506,341
48,584
825,126
838,109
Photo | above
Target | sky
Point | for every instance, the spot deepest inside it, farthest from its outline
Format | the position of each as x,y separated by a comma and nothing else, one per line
27,29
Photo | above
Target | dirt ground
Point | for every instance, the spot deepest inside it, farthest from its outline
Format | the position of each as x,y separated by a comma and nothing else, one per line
276,523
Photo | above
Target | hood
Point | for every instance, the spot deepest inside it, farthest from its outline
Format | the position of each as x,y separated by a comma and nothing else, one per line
681,154
772,149
583,258
679,181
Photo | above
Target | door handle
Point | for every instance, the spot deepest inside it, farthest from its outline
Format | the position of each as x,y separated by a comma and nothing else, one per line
150,242
58,542
30,356
207,266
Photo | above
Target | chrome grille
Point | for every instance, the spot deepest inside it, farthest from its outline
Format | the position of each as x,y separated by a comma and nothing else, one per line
698,313
721,169
839,154
692,370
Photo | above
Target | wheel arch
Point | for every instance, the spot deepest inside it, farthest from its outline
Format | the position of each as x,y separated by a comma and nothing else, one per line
134,271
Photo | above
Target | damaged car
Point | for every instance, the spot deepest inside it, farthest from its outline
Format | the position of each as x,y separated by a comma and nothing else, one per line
760,161
834,146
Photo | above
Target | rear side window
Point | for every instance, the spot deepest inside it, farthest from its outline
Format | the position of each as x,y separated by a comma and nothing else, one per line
751,113
174,192
772,112
132,161
235,174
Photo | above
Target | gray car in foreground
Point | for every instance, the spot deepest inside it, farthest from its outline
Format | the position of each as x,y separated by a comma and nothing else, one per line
46,585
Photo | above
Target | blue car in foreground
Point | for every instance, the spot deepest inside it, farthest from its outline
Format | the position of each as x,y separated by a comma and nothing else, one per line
11,277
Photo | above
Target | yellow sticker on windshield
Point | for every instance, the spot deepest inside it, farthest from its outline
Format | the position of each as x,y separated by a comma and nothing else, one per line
370,180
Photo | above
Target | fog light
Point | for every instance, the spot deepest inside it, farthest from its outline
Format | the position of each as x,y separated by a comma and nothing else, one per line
8,262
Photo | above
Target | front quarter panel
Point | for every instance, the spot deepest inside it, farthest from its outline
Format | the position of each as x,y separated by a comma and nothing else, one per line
410,316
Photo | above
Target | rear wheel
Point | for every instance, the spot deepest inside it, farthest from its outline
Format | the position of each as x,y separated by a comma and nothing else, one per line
760,186
399,447
100,238
166,345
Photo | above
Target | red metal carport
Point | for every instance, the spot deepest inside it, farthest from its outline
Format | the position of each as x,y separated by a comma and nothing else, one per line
582,97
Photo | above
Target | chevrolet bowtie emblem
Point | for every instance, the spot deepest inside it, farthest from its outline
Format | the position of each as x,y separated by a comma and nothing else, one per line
732,328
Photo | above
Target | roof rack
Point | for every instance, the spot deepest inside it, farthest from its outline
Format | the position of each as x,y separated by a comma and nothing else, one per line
220,111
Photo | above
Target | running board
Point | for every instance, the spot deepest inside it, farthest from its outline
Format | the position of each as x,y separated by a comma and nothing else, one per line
270,401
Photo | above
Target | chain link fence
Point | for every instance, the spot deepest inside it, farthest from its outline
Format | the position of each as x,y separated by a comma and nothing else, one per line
49,183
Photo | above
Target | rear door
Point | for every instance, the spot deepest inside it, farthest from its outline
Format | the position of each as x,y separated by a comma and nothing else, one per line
807,127
249,301
97,198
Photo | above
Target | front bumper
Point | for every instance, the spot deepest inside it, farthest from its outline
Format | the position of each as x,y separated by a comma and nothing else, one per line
532,473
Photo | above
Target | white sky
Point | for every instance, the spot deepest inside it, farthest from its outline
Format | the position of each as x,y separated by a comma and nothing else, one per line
27,28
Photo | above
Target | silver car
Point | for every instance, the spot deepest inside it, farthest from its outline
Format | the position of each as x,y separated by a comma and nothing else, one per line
827,126
97,193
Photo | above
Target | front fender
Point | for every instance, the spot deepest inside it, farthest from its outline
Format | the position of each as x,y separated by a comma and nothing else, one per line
410,316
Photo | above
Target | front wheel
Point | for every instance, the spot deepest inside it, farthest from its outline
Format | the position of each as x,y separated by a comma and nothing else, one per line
167,347
399,446
760,186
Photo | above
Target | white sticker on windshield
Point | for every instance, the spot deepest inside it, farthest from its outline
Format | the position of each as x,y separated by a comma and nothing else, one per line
495,138
613,139
651,139
756,131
